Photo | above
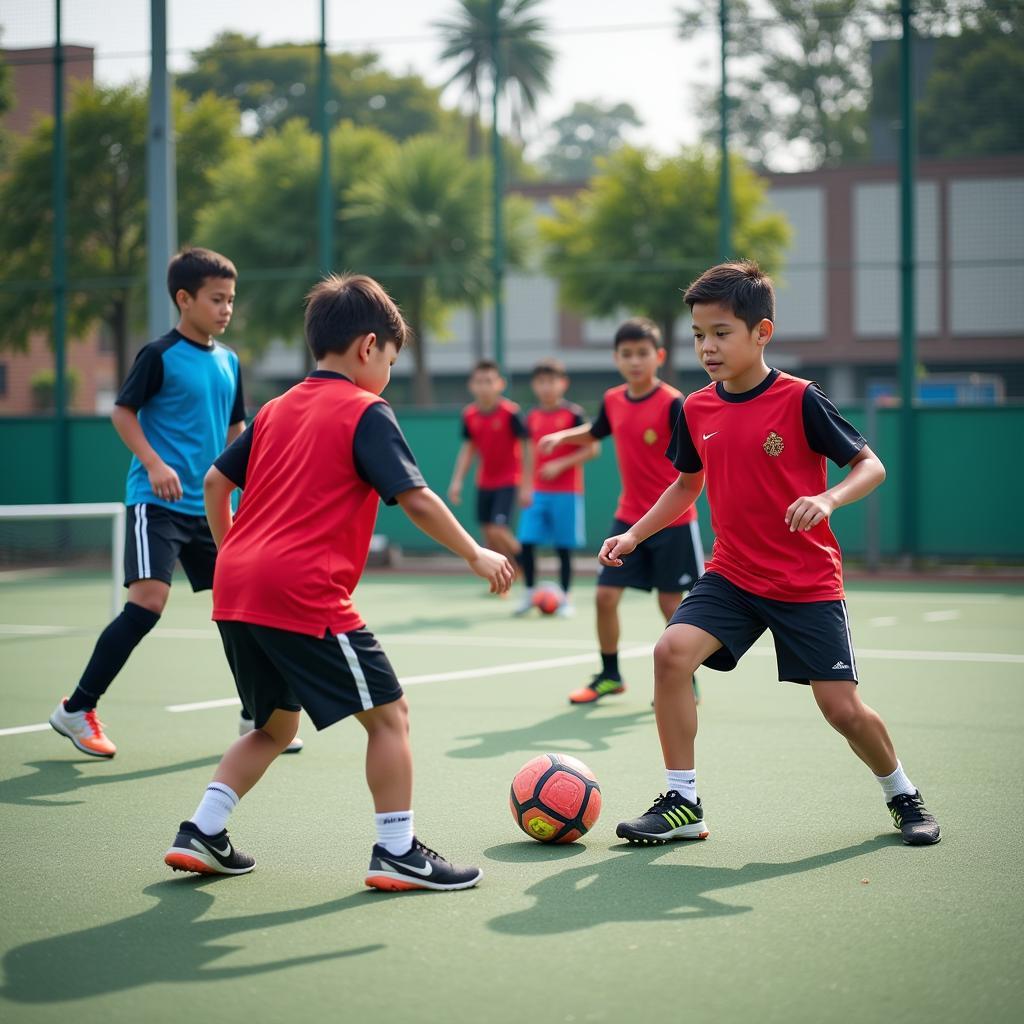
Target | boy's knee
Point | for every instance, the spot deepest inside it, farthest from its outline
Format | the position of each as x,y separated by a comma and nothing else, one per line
673,654
842,714
607,598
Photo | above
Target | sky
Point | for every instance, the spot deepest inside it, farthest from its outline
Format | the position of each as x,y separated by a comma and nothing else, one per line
605,49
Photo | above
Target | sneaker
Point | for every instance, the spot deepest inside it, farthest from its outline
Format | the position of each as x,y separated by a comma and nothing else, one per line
911,817
420,868
206,855
566,610
247,725
84,729
671,817
525,606
598,687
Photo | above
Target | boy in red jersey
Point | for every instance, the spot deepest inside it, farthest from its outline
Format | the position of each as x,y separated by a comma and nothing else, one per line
492,428
641,415
314,465
553,512
758,439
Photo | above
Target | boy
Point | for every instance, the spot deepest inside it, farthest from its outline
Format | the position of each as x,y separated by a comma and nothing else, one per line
492,427
759,439
314,464
180,401
641,414
553,512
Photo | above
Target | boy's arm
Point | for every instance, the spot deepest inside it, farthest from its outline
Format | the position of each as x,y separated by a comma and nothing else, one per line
430,514
462,463
583,454
163,480
580,435
526,480
235,430
674,501
217,490
866,473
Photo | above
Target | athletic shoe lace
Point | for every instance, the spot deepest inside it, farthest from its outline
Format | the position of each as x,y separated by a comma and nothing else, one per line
94,723
910,806
427,851
663,801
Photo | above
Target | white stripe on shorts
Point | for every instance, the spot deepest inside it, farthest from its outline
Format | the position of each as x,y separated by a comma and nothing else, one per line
141,542
357,670
849,638
698,546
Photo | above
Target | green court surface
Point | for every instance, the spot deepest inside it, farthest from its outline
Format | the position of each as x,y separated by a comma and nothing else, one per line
802,906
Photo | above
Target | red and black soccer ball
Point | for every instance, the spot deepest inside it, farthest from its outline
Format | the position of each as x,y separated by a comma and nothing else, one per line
555,798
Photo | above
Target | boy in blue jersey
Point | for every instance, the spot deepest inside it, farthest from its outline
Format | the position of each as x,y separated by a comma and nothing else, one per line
181,402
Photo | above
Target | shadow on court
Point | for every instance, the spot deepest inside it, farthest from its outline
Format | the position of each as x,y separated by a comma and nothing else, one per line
629,886
54,778
532,852
575,731
167,943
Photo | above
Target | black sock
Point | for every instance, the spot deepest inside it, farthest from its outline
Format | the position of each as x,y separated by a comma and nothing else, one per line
528,562
610,665
564,568
112,649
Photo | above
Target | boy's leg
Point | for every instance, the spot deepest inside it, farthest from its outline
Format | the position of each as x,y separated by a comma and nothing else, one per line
245,761
668,602
860,725
389,758
608,681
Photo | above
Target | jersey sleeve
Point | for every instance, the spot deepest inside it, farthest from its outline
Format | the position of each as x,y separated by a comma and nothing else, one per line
578,419
144,380
233,462
238,407
518,424
673,412
828,433
464,427
681,449
601,427
382,455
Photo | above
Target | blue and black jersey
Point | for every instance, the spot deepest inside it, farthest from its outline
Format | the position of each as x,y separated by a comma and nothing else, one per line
186,395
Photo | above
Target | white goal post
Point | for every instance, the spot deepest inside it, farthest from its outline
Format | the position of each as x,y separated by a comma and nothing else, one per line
115,511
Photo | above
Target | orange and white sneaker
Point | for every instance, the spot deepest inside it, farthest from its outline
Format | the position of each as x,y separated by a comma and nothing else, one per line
84,729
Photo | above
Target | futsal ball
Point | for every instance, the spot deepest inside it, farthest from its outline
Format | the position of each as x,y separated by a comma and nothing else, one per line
555,798
547,599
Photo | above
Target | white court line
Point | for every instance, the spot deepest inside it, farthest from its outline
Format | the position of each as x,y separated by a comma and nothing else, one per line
941,616
25,728
882,620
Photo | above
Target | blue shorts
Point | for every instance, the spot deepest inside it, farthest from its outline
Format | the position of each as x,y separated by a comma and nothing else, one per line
554,519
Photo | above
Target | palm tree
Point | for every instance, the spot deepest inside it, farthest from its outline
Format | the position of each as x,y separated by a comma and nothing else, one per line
419,225
526,59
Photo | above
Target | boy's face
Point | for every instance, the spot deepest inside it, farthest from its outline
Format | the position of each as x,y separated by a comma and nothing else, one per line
209,310
486,387
373,373
549,388
638,361
726,347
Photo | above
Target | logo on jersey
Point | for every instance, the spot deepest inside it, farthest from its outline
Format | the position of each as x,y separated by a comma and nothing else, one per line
650,436
773,445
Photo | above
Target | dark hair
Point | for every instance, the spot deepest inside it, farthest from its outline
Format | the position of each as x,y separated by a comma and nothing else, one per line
742,287
549,368
485,366
639,328
190,268
343,307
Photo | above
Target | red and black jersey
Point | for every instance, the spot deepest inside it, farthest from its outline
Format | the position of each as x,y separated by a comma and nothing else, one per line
495,435
546,421
314,464
760,451
642,428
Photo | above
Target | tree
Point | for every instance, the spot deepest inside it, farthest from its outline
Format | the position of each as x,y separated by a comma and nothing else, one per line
420,225
803,88
106,243
645,227
525,58
590,130
263,209
273,84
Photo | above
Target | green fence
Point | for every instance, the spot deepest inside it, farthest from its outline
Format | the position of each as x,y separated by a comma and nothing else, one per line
969,489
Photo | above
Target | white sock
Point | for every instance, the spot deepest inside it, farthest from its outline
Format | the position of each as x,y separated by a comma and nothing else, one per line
214,809
896,784
394,831
683,782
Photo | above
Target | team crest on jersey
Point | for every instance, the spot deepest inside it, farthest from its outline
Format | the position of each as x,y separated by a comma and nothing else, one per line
773,444
650,435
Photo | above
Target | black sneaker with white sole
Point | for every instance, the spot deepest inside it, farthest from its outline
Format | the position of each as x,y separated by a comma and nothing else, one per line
420,868
193,850
910,816
671,816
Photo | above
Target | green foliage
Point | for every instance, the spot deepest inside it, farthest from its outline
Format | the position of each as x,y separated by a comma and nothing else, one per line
43,383
590,130
646,226
274,84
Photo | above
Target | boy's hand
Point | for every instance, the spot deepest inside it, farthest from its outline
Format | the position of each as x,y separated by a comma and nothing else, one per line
495,568
807,512
614,549
455,494
551,469
547,444
525,497
164,482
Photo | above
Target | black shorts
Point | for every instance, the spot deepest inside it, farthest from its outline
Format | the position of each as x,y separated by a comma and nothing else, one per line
495,505
329,677
155,538
670,561
812,638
